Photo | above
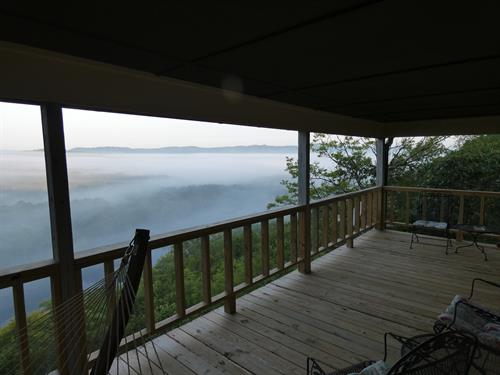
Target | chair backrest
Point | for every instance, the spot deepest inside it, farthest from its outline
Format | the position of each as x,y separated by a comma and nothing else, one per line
448,353
434,207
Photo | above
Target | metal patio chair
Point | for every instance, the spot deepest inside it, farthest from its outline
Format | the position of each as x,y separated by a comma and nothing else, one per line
448,353
432,217
465,314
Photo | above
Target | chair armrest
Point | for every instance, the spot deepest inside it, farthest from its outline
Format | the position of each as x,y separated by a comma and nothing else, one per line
486,315
400,339
313,368
491,283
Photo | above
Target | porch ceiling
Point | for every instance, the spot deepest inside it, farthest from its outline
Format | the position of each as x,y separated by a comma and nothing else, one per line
394,65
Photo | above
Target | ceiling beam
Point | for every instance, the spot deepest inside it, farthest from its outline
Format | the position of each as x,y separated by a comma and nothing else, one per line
452,126
37,76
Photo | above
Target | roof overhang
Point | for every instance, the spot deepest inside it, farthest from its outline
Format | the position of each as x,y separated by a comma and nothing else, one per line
34,75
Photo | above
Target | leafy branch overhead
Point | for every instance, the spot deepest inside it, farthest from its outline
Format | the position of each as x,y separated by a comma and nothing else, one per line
344,164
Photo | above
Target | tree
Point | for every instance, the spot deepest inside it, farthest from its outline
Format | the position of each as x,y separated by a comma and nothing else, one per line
344,164
473,165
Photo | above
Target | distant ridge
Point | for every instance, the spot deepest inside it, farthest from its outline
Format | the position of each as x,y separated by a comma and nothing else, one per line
190,150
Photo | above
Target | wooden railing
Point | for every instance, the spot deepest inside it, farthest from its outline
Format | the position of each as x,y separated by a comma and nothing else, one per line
467,206
330,222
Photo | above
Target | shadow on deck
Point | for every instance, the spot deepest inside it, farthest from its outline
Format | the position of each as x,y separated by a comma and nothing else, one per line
338,314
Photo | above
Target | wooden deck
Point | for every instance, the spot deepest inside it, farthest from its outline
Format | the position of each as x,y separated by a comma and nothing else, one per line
337,314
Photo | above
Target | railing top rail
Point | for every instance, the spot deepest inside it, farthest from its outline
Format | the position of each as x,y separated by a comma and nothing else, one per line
339,197
444,191
26,272
100,254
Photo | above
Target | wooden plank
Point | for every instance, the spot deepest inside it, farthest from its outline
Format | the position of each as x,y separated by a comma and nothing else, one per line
335,222
457,192
184,356
293,237
424,207
264,247
280,243
391,201
212,357
305,241
242,351
21,327
357,214
149,304
363,212
407,208
314,229
180,293
481,212
230,299
369,209
80,330
206,276
325,226
109,269
343,223
460,235
380,209
349,222
247,253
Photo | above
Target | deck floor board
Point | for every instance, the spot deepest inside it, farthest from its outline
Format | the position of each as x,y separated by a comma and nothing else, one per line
338,314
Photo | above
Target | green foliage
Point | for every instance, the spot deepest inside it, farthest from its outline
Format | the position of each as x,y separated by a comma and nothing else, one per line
474,165
347,164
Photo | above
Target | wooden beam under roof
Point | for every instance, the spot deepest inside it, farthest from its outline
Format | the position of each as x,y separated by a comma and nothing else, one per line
452,126
35,76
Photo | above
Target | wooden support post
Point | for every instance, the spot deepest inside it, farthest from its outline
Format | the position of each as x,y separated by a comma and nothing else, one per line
382,148
335,222
205,270
349,223
21,327
280,242
149,303
247,253
293,237
304,199
230,301
264,247
61,230
180,293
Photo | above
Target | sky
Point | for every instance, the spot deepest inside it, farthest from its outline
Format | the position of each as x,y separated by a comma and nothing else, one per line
20,129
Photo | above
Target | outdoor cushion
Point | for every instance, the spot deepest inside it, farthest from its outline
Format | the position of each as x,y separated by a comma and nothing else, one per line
468,320
430,224
378,368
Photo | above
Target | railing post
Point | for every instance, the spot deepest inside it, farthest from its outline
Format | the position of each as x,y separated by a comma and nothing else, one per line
460,235
304,199
382,147
60,221
149,305
205,270
230,301
21,327
180,293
